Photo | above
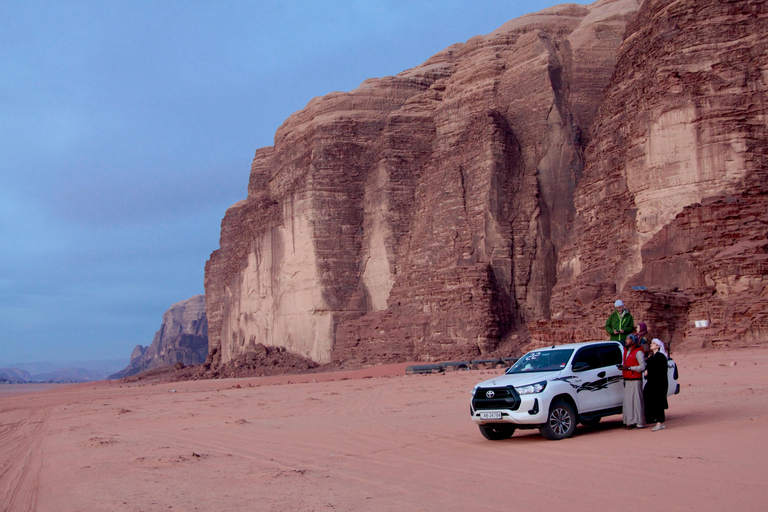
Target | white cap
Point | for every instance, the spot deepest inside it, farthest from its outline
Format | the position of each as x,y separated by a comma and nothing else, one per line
617,304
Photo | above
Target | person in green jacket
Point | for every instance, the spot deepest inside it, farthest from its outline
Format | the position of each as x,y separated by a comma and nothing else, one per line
620,323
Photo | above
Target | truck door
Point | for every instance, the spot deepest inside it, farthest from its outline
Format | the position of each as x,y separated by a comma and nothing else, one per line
591,380
610,356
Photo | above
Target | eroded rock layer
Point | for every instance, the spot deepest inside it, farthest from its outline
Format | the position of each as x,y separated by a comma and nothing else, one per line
418,216
182,338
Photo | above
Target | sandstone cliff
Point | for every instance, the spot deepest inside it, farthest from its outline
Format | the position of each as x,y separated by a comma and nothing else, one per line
182,338
673,197
512,187
418,216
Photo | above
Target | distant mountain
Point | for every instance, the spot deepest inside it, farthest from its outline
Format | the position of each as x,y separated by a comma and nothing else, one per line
14,375
182,338
68,371
71,375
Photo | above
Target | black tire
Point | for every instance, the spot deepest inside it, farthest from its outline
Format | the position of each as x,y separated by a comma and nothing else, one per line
561,421
591,422
497,431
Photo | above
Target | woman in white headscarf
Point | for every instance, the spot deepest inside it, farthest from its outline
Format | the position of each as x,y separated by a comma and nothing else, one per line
656,384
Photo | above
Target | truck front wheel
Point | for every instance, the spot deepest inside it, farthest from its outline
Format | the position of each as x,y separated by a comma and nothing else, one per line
561,421
497,432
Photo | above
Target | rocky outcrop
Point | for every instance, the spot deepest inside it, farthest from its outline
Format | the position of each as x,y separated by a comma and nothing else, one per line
506,191
418,216
673,198
182,338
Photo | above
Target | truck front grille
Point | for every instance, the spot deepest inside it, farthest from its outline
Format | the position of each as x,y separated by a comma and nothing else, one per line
503,398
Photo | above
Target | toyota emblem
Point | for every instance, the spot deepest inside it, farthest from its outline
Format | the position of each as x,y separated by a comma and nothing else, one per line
490,393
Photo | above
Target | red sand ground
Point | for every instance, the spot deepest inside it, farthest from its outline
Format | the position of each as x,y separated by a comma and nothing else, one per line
375,440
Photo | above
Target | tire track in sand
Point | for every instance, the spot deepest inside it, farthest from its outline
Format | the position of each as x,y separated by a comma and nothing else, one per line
21,435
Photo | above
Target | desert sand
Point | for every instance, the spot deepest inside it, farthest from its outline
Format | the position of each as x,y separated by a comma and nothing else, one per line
375,440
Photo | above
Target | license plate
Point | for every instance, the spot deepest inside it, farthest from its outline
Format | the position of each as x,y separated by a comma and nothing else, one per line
490,415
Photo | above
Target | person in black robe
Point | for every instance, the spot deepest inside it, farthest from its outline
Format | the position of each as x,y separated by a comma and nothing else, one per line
656,385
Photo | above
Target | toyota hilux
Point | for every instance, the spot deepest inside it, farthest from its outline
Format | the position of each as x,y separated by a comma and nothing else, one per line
555,388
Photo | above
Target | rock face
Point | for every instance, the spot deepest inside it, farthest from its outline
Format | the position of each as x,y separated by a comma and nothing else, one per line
418,216
182,338
673,197
508,189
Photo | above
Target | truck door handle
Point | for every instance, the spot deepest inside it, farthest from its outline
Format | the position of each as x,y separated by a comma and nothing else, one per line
601,374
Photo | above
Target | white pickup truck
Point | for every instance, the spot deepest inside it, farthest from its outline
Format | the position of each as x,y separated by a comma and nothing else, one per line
555,388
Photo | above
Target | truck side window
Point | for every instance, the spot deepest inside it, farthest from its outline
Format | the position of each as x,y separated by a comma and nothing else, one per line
610,355
588,355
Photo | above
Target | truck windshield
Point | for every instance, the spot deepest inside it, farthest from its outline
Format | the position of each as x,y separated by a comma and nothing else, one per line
542,361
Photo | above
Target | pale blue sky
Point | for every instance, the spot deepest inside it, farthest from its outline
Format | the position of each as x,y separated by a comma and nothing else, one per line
128,127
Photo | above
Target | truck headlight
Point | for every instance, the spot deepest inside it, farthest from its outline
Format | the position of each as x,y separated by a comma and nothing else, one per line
531,388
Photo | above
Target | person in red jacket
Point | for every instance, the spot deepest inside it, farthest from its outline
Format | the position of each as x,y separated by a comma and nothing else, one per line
632,371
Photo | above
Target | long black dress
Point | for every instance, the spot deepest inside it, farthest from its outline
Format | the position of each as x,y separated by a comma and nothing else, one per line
655,391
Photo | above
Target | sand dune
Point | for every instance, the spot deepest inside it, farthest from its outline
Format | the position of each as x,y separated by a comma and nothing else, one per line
374,441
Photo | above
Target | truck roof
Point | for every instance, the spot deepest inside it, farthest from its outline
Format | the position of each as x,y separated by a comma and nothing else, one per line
575,345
